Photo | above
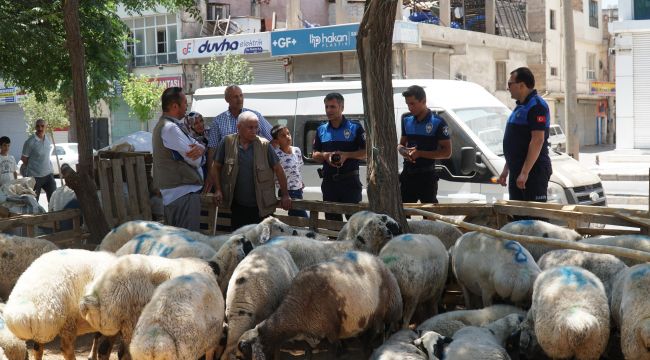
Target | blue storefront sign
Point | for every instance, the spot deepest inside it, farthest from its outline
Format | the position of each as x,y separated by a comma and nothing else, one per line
314,40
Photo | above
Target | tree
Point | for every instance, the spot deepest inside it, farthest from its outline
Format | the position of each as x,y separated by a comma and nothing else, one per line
143,97
52,110
232,69
374,41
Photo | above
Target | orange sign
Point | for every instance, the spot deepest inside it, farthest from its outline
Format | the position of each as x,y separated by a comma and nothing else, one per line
603,88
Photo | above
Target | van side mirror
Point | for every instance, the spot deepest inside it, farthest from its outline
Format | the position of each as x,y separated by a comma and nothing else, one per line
468,162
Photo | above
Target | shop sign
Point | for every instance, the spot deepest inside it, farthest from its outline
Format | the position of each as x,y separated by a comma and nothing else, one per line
314,40
603,88
207,47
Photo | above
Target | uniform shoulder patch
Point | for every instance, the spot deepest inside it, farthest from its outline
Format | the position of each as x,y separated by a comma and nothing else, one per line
541,119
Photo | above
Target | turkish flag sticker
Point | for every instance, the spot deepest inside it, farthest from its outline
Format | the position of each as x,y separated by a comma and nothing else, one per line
541,119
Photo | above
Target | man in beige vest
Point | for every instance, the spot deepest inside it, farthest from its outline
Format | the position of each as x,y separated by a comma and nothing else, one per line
243,173
177,160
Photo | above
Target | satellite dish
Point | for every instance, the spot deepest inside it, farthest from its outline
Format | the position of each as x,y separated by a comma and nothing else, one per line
458,12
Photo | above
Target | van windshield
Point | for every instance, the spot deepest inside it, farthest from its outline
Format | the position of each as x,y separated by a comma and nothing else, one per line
488,123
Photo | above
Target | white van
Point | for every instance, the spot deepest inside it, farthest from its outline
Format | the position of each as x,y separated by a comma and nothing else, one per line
476,120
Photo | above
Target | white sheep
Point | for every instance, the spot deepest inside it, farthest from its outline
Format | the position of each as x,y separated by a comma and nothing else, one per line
433,343
119,235
447,233
44,301
113,302
228,257
484,343
448,323
271,227
16,254
14,348
307,252
487,266
631,311
255,291
634,242
541,229
400,346
339,299
369,231
169,244
569,317
420,264
606,267
183,320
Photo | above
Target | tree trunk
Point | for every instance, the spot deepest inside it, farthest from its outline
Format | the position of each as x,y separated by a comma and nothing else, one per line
82,182
374,49
570,98
72,129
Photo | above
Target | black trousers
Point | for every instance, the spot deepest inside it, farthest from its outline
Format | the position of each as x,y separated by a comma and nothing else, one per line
243,215
536,188
46,183
419,186
345,191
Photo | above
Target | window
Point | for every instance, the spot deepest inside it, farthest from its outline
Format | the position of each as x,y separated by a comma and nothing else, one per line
553,71
501,76
217,11
593,13
152,40
641,9
551,20
591,66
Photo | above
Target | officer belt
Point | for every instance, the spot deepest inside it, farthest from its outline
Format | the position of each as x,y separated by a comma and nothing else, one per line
420,170
341,177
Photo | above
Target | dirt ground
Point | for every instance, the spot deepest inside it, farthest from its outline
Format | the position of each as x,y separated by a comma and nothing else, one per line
82,349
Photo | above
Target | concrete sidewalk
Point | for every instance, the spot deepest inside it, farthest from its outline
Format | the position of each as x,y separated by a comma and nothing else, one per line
616,165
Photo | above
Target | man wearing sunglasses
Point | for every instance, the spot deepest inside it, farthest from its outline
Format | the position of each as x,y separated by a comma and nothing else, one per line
525,142
36,160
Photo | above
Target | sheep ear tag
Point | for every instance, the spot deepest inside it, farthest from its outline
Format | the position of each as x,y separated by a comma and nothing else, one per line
265,235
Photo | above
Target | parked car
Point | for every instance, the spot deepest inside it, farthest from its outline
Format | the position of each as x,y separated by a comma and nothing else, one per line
556,138
68,153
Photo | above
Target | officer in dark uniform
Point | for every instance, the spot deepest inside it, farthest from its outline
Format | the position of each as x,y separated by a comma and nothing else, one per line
339,144
525,143
425,138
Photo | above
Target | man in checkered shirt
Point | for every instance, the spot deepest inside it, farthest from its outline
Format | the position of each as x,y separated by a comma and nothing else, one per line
226,123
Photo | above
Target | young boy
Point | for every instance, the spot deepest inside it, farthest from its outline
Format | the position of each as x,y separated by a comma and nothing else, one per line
291,161
7,162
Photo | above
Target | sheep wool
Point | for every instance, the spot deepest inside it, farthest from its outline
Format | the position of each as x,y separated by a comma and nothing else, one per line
420,264
176,244
447,233
16,254
44,301
631,311
569,314
11,347
255,291
369,231
228,257
400,346
268,228
605,266
483,343
113,302
487,266
307,252
541,229
118,236
339,299
634,242
448,323
183,320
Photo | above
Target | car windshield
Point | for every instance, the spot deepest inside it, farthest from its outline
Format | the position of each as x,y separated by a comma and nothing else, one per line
488,123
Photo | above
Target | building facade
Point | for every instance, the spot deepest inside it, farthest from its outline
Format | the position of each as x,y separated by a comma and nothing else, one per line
632,49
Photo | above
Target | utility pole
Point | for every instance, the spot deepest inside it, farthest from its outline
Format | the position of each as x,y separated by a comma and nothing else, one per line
570,100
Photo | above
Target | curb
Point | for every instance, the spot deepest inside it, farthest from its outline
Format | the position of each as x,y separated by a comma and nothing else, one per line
626,200
624,177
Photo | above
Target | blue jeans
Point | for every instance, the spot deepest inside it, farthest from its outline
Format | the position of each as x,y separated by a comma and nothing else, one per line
296,194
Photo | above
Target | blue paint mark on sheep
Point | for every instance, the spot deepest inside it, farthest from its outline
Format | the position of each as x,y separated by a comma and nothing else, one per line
389,259
2,323
276,239
571,276
641,272
352,256
153,226
525,222
518,250
139,241
186,278
187,238
406,237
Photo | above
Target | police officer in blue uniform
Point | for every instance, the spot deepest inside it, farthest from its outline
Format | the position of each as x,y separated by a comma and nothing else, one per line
339,144
525,143
425,138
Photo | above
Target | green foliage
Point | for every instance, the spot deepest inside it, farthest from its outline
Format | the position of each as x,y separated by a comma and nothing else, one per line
143,96
52,109
232,69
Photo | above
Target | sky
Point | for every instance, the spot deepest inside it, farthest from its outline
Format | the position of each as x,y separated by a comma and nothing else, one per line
606,3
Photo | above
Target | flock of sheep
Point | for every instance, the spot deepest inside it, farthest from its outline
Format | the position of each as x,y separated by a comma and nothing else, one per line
168,293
